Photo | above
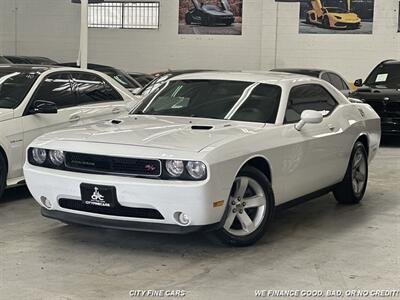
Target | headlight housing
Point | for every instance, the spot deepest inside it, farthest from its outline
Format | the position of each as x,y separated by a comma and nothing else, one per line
39,156
196,169
174,168
57,157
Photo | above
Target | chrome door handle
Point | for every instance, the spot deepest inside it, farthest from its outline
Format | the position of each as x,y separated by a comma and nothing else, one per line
74,118
116,110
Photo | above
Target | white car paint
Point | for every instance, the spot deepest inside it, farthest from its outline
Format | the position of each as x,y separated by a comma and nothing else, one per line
300,162
18,130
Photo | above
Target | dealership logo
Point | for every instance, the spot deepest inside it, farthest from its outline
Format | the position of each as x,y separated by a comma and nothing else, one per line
97,196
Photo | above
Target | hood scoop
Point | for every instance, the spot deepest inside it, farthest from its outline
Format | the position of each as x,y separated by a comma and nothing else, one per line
116,122
202,127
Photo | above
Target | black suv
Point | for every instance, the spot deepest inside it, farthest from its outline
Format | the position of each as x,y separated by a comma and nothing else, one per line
381,90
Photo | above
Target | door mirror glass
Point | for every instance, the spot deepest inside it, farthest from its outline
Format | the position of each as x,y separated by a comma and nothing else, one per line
358,82
309,117
43,107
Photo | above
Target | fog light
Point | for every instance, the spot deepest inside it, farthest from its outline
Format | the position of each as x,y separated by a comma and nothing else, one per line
46,202
182,218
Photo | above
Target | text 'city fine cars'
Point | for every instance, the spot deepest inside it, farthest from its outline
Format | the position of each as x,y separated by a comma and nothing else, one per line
214,151
38,99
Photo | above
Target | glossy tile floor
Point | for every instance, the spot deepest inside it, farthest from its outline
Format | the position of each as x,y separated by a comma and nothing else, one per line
317,245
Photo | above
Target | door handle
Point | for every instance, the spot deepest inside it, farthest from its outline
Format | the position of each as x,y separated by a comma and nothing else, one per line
116,110
74,118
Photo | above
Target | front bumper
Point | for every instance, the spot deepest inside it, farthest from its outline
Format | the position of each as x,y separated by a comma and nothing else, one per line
195,199
71,218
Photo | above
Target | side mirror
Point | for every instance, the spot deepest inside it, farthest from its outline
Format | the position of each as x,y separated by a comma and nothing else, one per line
43,107
309,117
358,82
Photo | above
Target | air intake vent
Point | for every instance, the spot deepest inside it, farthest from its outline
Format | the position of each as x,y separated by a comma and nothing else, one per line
200,127
116,122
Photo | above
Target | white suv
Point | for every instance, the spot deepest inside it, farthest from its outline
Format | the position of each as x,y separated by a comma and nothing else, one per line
35,100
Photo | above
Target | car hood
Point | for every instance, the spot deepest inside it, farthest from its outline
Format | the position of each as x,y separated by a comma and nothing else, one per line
6,114
347,16
187,134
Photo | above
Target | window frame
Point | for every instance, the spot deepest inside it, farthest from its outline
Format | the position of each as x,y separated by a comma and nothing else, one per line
43,82
123,5
104,82
303,85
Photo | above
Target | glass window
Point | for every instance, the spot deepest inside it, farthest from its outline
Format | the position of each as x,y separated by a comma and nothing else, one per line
325,77
91,88
261,106
337,82
56,88
387,75
195,98
308,97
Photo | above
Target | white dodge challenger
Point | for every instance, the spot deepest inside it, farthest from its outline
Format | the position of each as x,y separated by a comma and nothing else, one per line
214,151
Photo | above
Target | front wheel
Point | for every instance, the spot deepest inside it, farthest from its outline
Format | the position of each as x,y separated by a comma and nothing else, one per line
249,211
3,175
352,189
188,19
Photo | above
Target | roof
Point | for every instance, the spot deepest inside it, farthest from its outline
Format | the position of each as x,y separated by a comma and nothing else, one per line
252,76
304,71
41,68
90,66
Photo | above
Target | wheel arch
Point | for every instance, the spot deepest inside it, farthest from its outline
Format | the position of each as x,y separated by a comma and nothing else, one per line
4,154
363,138
259,162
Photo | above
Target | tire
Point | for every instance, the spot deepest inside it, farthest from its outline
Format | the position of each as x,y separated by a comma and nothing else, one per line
3,175
308,20
228,23
325,23
249,183
352,189
188,19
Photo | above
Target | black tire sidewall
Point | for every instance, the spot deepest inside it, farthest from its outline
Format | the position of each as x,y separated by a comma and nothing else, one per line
242,241
358,145
3,175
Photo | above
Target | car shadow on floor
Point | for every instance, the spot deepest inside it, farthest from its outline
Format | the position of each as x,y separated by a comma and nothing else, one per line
16,194
316,220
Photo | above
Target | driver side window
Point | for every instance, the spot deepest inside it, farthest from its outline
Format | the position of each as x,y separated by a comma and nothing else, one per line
56,88
308,97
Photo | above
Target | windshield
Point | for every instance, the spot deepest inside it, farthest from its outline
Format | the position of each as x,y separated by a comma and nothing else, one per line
387,75
336,10
214,99
121,78
14,85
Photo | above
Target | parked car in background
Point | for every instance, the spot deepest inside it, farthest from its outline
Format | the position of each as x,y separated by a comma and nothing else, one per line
4,60
381,90
30,60
333,78
38,99
160,79
214,151
210,14
118,75
142,78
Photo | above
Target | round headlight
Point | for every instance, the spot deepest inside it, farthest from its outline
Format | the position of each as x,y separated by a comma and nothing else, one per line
39,155
196,169
56,157
174,167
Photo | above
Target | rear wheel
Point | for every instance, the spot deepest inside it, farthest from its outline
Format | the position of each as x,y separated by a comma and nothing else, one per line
352,189
325,23
3,174
249,211
188,19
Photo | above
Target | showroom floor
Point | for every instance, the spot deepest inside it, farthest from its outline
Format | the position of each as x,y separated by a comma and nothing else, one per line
318,245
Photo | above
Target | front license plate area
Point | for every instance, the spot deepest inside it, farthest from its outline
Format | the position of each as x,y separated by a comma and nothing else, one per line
98,195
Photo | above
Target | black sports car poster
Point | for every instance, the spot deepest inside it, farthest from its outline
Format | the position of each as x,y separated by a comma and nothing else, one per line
219,17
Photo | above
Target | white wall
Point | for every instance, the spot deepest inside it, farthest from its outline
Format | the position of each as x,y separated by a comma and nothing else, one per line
51,28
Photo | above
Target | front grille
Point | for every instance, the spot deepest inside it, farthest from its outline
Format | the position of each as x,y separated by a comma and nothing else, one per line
118,211
112,165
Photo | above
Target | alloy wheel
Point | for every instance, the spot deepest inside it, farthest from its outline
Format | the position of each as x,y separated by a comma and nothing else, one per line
247,207
359,172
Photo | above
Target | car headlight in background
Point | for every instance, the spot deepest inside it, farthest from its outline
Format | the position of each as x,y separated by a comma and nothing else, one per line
57,157
196,169
39,155
175,168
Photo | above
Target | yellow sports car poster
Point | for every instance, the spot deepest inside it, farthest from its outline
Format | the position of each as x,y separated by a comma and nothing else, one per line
336,16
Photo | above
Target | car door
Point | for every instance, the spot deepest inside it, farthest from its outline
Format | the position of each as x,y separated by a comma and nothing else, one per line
312,155
57,88
97,99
